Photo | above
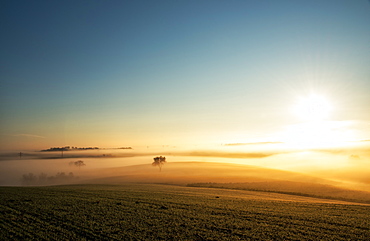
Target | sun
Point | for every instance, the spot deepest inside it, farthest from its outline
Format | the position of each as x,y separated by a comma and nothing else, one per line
313,108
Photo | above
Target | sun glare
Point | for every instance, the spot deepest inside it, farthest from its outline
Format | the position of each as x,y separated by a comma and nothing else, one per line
313,108
314,134
315,130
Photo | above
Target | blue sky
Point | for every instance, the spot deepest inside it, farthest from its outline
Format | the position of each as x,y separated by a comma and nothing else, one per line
113,73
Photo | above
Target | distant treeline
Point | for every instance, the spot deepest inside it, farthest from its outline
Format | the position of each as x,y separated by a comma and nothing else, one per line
44,179
71,148
74,148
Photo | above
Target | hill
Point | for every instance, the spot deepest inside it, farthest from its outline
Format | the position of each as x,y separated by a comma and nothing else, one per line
183,173
229,176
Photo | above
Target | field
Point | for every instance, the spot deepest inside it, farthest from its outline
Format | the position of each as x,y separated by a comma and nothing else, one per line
173,212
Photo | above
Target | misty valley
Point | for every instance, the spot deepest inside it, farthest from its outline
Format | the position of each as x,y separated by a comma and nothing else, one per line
131,194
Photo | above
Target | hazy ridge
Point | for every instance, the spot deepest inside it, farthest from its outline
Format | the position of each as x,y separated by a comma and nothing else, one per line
231,176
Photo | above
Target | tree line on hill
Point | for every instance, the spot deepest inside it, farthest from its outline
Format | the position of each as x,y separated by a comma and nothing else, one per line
74,148
69,148
44,179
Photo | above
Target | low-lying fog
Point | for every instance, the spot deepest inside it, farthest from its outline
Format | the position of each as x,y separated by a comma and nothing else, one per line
351,168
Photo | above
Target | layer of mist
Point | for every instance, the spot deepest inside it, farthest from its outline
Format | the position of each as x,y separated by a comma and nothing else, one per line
342,169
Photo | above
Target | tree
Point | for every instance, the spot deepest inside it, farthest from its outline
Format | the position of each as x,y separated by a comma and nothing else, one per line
159,161
78,164
29,179
43,177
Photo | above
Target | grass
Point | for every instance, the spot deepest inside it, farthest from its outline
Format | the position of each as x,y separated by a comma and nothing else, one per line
295,188
169,212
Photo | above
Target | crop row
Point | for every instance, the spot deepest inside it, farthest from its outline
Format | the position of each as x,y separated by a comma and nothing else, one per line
160,212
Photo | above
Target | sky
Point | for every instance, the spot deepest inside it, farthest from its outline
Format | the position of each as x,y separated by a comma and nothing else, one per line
141,73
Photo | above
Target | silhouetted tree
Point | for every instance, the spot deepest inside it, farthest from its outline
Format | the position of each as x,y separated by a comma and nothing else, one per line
78,164
159,161
29,179
43,178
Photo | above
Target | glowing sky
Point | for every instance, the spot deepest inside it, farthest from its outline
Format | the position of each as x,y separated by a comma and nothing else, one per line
122,73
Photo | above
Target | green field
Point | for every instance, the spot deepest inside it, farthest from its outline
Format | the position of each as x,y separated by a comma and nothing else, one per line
170,212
